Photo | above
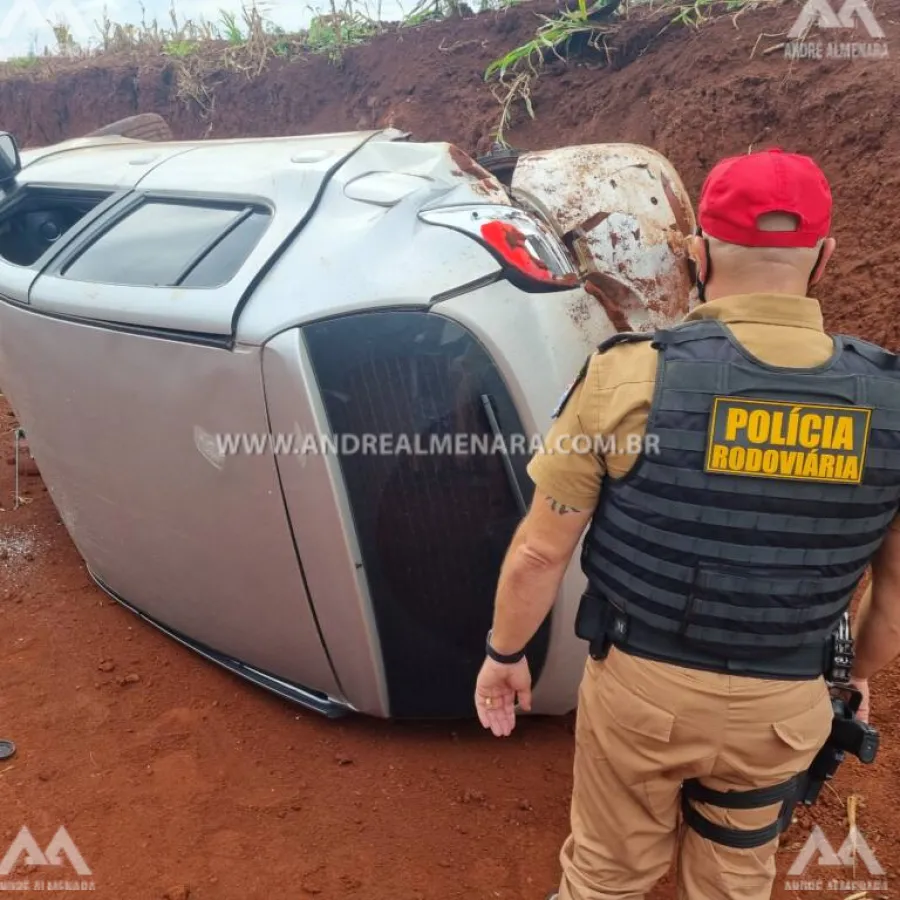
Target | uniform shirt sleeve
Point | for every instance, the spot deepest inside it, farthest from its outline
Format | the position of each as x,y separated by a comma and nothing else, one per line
612,401
568,468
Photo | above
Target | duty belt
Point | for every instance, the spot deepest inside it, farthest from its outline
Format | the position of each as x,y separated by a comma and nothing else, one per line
634,637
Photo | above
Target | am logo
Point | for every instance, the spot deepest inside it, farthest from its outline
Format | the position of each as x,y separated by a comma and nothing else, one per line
25,845
818,851
821,13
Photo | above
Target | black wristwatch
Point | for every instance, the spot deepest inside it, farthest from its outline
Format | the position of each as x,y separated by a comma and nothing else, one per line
507,660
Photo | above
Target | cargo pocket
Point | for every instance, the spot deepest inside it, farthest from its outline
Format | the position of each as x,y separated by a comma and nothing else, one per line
637,715
635,737
624,706
635,731
801,736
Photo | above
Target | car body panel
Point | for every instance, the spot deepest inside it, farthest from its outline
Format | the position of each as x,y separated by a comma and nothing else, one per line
627,215
115,163
315,499
374,252
199,543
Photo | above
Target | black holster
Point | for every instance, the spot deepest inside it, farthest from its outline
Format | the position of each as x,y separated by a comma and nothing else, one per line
597,622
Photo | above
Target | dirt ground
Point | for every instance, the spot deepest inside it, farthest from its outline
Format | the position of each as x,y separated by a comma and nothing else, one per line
177,780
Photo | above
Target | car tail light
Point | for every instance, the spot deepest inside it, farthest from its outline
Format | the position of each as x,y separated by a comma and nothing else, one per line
531,254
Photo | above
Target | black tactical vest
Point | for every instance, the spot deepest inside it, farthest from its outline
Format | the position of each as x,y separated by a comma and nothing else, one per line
759,497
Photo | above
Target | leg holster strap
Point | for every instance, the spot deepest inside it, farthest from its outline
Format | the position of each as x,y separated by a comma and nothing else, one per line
786,792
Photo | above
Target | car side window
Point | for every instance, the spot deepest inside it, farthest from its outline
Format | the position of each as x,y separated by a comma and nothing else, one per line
35,219
164,243
223,260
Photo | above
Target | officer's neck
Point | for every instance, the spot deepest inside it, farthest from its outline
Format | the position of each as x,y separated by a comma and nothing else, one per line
721,286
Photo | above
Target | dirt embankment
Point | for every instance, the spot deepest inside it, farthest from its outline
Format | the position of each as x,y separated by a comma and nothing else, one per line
693,94
177,781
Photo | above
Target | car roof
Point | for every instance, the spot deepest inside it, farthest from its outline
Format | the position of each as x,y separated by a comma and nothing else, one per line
238,164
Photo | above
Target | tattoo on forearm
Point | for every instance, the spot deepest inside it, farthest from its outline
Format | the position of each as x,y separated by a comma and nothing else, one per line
560,508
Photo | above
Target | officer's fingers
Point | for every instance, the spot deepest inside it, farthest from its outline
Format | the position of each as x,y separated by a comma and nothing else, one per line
502,721
490,706
484,702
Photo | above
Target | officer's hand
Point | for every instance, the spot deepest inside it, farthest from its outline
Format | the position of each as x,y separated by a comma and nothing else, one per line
862,685
495,695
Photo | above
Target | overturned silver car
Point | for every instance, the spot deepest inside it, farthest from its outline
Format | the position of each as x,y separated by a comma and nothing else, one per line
282,391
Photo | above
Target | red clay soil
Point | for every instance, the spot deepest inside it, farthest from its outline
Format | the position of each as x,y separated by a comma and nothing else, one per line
174,778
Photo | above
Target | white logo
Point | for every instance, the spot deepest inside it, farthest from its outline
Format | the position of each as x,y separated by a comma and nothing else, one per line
25,843
854,845
821,13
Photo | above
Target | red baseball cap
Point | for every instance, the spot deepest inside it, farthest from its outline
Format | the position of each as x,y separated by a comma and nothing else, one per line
740,189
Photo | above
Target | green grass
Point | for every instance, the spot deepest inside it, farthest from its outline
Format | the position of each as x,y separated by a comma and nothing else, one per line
700,11
588,24
554,33
23,63
251,28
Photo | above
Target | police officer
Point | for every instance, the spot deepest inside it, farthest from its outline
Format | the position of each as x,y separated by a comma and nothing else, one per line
720,553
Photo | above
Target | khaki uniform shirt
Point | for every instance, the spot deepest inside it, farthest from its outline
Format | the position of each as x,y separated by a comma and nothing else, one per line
613,399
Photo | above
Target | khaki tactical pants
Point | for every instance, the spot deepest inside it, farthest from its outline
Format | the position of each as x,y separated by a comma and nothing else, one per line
642,728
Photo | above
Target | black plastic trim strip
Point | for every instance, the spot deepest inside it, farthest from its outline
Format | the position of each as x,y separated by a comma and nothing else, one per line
212,243
310,699
514,485
468,287
218,341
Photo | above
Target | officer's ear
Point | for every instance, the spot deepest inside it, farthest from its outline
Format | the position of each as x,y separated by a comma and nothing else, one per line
697,251
824,256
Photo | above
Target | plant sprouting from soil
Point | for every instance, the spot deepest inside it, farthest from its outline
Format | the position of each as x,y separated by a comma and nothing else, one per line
555,34
588,31
333,32
507,94
700,11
